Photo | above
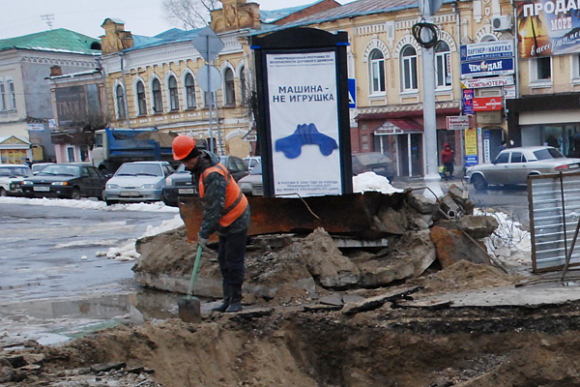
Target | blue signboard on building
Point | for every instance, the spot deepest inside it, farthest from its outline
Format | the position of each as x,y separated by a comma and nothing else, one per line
487,50
501,66
351,93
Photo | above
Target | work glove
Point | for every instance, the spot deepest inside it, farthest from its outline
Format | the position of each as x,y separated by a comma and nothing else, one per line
201,241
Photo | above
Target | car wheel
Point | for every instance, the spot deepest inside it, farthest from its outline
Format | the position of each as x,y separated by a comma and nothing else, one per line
478,182
76,194
110,202
102,197
3,192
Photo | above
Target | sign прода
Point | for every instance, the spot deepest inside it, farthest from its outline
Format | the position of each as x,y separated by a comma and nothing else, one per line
483,104
305,139
548,27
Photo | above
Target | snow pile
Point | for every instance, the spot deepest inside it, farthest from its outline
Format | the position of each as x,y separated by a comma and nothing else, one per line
127,251
91,204
509,243
370,181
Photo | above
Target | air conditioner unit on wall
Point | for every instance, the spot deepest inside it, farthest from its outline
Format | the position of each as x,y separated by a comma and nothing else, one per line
501,23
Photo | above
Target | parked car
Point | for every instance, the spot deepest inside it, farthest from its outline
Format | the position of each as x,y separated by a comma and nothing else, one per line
180,182
37,167
11,176
252,184
252,161
373,162
138,181
72,181
514,165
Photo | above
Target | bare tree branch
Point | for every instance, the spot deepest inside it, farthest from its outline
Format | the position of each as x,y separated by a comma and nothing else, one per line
189,14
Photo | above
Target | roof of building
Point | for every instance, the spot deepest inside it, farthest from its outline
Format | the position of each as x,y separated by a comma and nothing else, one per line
174,35
58,40
354,9
272,16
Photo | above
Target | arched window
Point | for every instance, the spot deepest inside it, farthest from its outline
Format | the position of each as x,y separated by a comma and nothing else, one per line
173,96
190,91
157,99
230,89
443,65
12,95
409,67
141,99
243,85
2,97
121,111
377,71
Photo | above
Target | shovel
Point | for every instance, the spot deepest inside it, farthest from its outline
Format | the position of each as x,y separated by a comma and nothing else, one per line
190,307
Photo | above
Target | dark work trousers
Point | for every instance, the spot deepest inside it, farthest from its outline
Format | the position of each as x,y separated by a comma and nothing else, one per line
231,254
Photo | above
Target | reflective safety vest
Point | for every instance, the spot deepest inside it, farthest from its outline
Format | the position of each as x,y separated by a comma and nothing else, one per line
236,201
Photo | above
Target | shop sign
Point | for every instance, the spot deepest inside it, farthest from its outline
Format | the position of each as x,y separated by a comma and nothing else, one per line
547,27
501,66
487,50
488,117
470,147
52,123
509,92
481,104
36,127
457,122
479,83
468,101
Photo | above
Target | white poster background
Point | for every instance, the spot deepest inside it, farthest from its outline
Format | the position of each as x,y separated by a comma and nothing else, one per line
302,91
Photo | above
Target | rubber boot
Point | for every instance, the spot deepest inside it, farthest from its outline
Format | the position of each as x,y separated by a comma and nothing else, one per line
236,300
227,297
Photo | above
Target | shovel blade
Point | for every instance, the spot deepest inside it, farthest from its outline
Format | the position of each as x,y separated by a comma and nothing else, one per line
189,310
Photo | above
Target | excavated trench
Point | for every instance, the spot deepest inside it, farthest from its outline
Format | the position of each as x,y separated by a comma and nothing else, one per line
386,347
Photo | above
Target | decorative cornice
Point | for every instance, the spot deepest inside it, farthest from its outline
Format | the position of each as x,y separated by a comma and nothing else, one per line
406,108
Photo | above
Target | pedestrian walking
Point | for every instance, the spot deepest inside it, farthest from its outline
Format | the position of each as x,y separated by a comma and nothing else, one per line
225,211
27,163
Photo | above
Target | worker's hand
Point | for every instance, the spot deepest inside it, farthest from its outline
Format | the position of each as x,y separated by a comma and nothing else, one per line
201,241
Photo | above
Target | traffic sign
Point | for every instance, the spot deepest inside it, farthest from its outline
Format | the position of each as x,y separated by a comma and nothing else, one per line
209,78
208,44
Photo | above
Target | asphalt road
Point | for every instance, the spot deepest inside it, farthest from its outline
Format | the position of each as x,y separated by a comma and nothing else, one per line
51,251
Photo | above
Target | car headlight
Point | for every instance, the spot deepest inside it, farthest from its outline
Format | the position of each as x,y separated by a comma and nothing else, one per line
60,183
27,183
112,186
149,186
168,181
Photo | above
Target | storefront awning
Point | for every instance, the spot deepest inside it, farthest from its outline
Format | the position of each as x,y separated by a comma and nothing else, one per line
398,126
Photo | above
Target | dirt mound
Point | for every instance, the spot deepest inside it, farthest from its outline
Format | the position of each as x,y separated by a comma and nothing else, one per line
463,276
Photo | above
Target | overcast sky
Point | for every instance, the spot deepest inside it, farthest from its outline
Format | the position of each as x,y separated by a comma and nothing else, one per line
141,17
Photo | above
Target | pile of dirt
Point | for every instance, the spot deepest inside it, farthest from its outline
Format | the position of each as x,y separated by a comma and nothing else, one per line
463,276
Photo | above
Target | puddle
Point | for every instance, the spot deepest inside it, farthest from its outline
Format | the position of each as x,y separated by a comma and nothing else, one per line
52,322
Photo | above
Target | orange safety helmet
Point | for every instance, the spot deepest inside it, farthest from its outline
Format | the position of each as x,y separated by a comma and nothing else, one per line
182,147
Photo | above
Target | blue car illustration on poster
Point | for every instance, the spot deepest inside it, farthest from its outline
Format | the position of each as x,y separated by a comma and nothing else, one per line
305,134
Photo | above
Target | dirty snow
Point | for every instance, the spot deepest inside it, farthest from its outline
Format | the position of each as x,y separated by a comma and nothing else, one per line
90,204
370,181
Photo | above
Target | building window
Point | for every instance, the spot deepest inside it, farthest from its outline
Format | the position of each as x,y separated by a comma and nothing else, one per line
230,89
121,111
12,95
377,70
70,154
409,67
544,68
157,100
2,97
443,65
173,96
190,91
243,85
141,99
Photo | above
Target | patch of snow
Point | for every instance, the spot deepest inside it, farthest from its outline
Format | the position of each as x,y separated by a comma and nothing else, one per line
91,204
370,181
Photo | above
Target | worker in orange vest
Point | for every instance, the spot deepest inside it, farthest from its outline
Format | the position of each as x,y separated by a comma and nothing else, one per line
226,211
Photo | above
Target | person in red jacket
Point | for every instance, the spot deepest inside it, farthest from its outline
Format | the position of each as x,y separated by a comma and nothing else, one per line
447,161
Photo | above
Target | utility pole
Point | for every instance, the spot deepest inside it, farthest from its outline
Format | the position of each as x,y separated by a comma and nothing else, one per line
48,18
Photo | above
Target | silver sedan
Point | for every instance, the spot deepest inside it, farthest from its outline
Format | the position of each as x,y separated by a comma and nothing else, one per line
514,165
